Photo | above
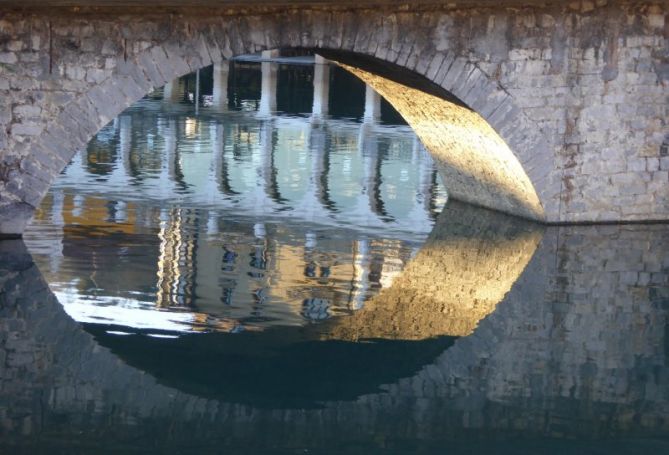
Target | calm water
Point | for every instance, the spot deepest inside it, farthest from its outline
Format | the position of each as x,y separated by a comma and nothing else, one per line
279,272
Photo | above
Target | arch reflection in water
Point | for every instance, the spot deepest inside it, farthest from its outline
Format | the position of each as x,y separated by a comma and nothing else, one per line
575,350
400,330
306,367
293,218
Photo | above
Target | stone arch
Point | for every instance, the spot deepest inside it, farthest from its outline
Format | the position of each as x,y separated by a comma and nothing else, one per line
513,176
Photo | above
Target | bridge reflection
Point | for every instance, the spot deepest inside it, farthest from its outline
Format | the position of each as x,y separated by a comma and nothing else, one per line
575,349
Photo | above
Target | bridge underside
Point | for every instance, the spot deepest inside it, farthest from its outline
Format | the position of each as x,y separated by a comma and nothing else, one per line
476,164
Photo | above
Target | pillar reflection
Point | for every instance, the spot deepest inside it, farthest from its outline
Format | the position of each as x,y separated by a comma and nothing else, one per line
268,170
168,130
123,167
319,147
177,264
372,166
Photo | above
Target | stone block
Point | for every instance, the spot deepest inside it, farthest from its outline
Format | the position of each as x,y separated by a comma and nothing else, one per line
27,111
8,58
636,165
148,66
435,65
664,163
96,75
26,129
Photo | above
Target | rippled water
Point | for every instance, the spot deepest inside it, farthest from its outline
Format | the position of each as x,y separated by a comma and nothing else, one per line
229,219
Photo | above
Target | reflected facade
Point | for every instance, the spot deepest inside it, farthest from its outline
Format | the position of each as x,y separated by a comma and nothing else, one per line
237,217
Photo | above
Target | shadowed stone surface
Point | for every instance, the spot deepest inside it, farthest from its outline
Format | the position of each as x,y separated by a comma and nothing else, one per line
577,91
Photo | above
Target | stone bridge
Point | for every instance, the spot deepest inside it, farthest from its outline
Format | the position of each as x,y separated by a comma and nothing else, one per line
553,111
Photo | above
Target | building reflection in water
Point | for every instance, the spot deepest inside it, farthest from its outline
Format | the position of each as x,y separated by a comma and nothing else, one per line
292,217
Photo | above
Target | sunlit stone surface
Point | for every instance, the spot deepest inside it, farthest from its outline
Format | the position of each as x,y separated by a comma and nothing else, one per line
473,158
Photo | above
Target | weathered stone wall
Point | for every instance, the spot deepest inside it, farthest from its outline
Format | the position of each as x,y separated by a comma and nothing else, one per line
578,91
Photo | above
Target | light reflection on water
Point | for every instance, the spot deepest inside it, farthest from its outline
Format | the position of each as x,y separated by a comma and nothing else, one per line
227,220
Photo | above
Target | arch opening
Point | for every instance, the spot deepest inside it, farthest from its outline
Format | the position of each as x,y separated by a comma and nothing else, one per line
438,322
475,160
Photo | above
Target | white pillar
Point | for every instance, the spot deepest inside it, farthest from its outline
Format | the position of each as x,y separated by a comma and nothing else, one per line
268,85
269,54
321,88
372,105
221,72
197,91
171,91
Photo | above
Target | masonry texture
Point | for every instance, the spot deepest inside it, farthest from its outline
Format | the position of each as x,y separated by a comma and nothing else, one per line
579,92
